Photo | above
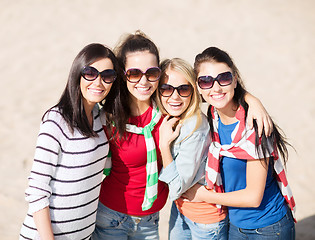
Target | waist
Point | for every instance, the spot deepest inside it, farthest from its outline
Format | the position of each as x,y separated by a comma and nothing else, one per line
201,212
128,199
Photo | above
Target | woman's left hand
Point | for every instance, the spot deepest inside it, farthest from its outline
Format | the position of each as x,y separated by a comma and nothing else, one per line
195,193
257,111
167,132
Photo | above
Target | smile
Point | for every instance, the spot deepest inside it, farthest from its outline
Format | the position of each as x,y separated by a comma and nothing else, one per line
175,105
143,89
96,91
218,96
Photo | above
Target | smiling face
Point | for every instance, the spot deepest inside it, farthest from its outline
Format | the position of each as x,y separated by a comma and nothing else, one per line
95,91
221,97
175,105
141,91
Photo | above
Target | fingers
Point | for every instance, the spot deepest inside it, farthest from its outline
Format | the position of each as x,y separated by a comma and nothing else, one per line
249,121
268,126
169,129
177,129
260,126
264,124
173,120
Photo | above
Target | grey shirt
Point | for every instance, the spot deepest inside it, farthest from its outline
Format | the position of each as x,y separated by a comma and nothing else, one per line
189,155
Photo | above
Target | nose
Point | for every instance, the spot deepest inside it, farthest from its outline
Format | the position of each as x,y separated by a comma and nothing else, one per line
143,79
98,80
175,94
216,86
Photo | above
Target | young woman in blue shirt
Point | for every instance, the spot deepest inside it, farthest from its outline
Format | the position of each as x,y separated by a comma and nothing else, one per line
244,171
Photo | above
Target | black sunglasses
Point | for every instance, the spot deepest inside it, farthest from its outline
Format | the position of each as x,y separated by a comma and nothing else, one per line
134,75
167,90
224,79
90,74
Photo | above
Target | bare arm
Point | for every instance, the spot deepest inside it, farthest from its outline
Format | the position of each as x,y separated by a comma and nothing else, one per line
251,196
43,224
257,111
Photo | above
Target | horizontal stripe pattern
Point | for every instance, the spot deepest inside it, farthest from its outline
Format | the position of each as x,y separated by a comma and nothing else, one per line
66,176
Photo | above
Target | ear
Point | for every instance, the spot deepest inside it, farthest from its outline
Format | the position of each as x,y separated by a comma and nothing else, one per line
235,83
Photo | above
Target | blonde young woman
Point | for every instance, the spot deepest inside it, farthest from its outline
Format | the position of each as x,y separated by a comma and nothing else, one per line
184,143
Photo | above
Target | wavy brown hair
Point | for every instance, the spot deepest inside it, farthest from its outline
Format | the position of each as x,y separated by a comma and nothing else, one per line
118,109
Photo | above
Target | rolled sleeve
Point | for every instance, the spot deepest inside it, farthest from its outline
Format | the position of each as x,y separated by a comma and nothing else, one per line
44,166
169,173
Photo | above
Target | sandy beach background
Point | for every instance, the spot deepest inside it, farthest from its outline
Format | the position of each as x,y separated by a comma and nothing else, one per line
272,43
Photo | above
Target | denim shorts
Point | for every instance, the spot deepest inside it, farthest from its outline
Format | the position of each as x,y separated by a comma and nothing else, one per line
281,230
114,225
181,227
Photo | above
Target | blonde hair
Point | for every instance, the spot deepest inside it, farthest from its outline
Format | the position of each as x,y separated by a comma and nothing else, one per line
181,66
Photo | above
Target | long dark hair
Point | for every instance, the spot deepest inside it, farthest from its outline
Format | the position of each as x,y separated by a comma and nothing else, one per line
213,54
118,109
71,104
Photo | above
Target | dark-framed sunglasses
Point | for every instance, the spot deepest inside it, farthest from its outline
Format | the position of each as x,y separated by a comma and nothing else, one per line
167,90
90,74
134,75
224,79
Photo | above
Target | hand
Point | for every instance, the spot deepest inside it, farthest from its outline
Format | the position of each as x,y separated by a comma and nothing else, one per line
257,111
167,132
195,193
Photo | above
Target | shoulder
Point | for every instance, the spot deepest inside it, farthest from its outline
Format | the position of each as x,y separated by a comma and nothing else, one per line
197,120
54,122
53,114
195,127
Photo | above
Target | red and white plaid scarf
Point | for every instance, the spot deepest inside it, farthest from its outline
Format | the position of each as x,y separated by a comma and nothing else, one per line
242,147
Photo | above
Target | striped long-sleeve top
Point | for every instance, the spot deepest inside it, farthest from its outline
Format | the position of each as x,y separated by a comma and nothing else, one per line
66,176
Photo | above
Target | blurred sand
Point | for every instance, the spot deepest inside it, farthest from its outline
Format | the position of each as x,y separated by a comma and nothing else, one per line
272,43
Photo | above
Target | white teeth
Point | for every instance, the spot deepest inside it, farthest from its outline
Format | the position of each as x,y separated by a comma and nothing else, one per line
96,91
175,104
217,96
141,89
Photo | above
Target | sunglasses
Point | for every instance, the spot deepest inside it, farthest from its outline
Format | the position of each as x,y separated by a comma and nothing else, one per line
90,74
224,79
167,90
134,74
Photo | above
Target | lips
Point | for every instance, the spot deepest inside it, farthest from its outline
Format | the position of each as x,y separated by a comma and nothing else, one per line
143,90
96,91
217,96
175,106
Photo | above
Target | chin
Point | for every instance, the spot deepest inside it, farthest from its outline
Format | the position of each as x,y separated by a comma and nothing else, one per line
174,114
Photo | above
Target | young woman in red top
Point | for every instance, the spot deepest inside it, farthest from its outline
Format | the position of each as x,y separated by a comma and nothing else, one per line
129,204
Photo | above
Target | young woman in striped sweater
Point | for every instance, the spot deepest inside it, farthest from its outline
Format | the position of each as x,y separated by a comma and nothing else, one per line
71,151
244,172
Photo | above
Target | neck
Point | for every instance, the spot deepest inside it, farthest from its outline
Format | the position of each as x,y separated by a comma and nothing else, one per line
227,114
138,107
88,108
